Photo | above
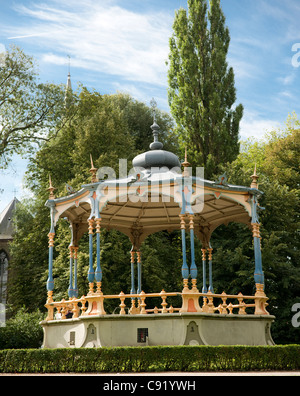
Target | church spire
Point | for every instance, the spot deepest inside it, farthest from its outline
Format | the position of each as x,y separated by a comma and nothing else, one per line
68,90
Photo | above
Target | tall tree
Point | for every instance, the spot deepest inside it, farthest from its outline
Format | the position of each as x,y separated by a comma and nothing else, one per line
29,110
201,86
277,160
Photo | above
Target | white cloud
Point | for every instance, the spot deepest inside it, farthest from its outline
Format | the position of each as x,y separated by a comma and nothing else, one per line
288,79
252,125
108,39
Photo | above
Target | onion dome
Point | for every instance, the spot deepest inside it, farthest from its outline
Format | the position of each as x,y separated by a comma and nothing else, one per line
156,157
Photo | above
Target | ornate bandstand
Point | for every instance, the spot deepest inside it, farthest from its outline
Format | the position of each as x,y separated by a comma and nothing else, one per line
157,195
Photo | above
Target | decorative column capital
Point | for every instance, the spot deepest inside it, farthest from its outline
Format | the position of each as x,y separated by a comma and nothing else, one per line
51,239
191,217
91,226
75,248
182,221
98,225
71,248
203,254
256,230
210,250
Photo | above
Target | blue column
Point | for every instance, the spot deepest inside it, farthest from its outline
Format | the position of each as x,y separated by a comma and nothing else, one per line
193,269
139,268
98,273
132,253
210,288
71,289
75,290
258,273
50,281
91,273
185,269
204,288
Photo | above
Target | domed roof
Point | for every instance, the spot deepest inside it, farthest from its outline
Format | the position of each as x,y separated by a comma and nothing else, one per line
156,157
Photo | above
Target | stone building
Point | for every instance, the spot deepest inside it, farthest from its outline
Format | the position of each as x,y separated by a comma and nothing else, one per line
6,236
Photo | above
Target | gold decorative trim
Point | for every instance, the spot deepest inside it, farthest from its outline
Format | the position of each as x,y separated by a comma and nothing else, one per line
51,239
255,230
91,226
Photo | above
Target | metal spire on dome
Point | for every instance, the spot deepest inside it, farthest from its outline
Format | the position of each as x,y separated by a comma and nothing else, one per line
153,105
156,145
156,157
185,164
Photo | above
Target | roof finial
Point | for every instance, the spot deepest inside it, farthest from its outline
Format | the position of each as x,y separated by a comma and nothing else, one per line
93,171
185,164
153,105
51,189
156,145
254,178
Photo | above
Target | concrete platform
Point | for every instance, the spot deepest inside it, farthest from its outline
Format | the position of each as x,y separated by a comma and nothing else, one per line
158,329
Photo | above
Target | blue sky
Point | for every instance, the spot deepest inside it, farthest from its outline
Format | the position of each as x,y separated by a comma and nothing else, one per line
122,45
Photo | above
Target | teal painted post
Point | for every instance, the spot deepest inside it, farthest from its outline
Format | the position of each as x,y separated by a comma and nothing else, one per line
185,269
71,289
139,268
210,288
258,273
98,273
91,273
204,288
50,281
132,253
75,290
193,269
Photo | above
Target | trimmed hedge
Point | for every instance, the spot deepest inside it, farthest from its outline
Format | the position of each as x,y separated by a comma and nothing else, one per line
151,359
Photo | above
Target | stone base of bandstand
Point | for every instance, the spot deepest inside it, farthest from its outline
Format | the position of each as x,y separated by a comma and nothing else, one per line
158,329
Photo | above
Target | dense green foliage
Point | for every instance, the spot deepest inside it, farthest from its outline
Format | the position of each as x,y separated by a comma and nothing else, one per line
28,108
201,86
22,331
277,159
151,359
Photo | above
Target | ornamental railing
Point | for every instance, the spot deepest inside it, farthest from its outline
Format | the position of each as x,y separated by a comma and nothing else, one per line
94,304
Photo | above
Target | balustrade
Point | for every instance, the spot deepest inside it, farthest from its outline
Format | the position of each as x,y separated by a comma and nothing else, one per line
76,307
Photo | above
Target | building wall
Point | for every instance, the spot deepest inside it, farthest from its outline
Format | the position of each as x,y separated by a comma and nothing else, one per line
4,263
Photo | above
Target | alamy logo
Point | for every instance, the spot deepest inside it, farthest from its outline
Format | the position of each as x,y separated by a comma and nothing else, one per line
153,184
296,317
296,57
